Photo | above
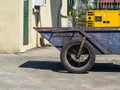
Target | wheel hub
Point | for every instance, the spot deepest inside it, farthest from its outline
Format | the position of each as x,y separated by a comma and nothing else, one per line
82,58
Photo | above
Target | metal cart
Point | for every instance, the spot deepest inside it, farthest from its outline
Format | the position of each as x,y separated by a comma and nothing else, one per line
79,46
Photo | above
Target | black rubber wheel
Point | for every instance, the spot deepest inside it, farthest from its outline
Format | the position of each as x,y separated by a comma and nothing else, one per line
69,58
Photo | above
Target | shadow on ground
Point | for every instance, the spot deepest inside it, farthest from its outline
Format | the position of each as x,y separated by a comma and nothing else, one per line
44,65
106,67
57,66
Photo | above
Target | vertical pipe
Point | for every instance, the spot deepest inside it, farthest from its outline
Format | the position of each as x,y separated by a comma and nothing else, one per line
114,5
97,2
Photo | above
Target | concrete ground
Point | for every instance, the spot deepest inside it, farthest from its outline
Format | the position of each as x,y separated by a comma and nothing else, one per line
40,69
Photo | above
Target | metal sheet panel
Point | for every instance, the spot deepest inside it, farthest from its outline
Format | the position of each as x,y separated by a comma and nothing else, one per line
109,40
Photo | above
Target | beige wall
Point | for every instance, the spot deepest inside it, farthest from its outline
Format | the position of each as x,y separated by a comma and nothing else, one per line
46,14
9,26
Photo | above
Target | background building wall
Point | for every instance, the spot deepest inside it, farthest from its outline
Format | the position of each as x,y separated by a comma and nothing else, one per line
64,21
9,26
45,15
50,13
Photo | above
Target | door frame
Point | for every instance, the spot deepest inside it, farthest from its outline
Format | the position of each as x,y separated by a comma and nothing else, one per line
26,23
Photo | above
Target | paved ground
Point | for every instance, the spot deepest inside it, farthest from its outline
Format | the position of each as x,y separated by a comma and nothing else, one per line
40,69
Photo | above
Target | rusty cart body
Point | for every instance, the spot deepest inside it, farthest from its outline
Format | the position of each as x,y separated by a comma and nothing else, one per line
79,46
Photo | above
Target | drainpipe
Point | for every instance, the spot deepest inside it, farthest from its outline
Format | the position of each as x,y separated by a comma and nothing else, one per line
36,12
42,43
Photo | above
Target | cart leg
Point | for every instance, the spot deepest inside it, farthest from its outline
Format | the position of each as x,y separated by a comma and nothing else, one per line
81,47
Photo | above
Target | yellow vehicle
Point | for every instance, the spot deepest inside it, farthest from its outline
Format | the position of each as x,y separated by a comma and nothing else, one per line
107,14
